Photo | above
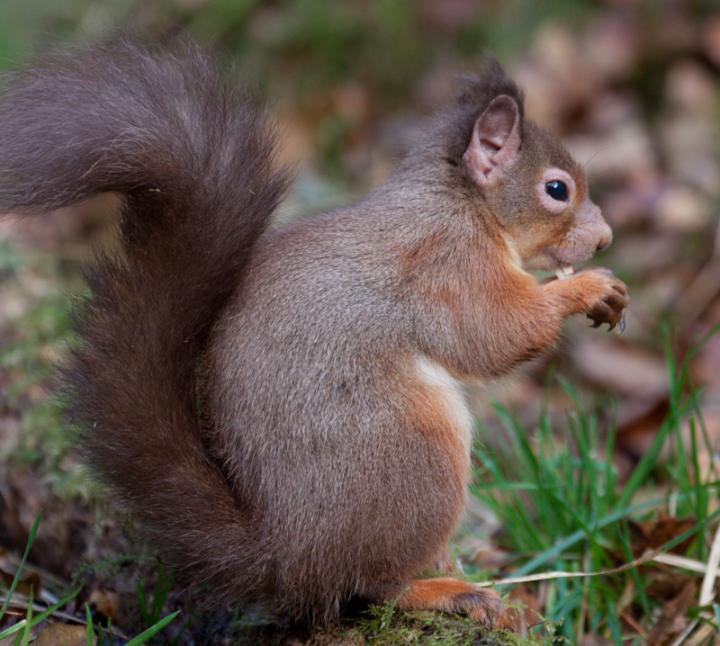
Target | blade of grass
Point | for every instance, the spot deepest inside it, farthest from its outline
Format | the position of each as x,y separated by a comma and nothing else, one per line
24,637
42,616
163,585
89,626
145,635
142,602
614,625
18,573
577,536
648,461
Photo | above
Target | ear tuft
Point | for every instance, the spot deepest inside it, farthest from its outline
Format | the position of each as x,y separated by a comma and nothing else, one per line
495,141
490,81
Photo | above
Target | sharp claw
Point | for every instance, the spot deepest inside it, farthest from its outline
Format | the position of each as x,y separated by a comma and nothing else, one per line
621,324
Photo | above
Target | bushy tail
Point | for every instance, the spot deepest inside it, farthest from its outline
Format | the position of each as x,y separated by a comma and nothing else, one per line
195,165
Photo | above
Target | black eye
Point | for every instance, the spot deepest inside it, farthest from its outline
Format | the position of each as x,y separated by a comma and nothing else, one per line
557,190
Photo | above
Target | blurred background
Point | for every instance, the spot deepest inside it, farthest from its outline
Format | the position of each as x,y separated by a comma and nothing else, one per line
631,86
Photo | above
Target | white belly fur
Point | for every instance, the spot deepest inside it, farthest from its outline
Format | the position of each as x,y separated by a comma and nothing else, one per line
450,392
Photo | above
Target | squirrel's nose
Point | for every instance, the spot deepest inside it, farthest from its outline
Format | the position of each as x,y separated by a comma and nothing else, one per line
604,238
596,226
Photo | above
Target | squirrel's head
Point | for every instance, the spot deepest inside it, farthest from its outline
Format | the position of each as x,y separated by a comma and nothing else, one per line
524,177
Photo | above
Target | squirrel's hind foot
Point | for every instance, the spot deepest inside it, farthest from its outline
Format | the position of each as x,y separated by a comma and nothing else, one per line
453,595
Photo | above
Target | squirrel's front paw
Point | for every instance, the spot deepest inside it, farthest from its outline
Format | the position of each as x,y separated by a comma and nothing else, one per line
609,301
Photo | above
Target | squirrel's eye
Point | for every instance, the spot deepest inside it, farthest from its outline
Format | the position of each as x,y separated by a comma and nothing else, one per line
557,190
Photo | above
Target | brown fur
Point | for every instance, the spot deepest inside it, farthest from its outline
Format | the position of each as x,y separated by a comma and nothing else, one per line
452,595
429,415
335,457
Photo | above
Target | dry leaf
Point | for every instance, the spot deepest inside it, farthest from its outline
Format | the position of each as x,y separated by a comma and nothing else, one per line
651,535
26,582
105,602
673,618
664,584
65,634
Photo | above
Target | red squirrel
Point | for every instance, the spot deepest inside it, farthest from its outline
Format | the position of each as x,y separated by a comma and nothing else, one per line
281,408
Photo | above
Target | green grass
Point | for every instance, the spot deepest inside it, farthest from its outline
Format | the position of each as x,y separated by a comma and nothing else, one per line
30,347
21,630
561,507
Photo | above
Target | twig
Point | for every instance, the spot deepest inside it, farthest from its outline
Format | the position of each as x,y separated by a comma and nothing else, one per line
646,557
707,593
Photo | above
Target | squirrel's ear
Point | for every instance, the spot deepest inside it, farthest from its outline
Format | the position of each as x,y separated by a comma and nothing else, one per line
495,141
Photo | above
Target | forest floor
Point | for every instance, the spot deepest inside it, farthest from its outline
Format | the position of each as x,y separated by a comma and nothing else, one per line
595,467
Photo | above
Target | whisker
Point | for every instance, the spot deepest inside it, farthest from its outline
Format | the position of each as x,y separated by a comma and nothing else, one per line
595,154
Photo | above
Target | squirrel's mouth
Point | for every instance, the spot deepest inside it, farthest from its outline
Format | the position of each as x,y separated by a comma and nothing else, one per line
559,261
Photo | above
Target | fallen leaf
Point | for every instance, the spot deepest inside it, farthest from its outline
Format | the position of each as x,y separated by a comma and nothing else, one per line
664,584
65,634
653,534
26,582
105,602
673,618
